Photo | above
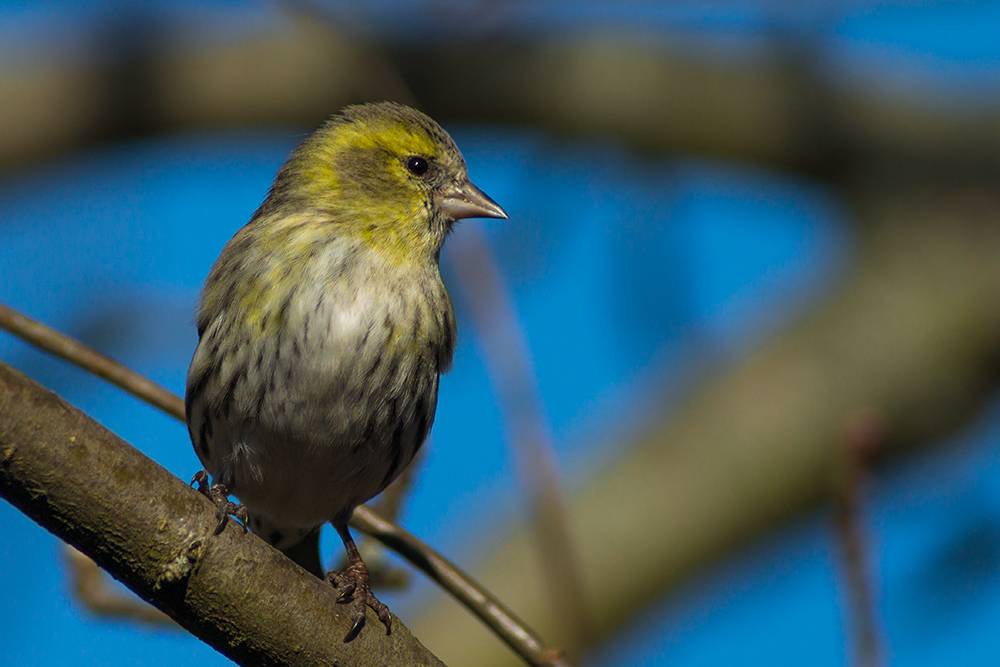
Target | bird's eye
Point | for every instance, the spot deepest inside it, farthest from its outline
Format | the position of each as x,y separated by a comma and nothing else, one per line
417,165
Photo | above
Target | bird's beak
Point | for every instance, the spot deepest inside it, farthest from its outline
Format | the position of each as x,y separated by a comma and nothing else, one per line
467,201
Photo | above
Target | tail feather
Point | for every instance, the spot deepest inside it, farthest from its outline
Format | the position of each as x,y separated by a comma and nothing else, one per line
306,554
301,545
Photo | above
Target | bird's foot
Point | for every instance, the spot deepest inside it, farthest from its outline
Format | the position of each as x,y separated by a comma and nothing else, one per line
355,592
218,493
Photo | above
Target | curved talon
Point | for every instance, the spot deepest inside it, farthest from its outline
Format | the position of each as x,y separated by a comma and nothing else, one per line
201,479
358,595
382,611
219,494
346,594
355,629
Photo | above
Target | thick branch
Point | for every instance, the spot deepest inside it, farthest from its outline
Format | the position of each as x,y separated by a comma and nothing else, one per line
522,639
780,110
155,534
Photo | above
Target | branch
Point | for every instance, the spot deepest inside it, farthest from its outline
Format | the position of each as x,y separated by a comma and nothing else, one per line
71,350
524,641
864,433
94,591
518,636
508,362
782,109
154,533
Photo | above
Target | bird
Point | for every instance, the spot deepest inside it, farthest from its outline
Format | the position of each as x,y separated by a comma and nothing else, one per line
323,328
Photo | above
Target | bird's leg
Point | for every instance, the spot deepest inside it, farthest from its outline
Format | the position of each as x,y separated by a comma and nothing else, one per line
218,493
353,584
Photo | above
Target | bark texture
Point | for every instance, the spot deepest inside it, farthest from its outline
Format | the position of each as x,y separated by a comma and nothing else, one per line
154,533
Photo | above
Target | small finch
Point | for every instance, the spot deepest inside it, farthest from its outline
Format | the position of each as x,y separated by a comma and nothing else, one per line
323,328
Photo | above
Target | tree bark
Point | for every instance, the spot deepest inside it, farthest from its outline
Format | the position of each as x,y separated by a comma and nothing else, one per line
156,534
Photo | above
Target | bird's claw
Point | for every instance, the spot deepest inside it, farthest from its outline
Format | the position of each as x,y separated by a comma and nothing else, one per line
219,494
355,592
201,480
346,594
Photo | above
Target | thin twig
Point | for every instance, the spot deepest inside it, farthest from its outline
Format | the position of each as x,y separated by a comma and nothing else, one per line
506,350
522,639
863,435
92,361
464,588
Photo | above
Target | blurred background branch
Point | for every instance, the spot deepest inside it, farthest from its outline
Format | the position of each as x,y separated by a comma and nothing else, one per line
914,334
780,109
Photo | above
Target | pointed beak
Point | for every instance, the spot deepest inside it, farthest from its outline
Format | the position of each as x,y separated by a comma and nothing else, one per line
468,201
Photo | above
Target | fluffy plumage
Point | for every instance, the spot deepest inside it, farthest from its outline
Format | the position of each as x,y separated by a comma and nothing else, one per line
324,325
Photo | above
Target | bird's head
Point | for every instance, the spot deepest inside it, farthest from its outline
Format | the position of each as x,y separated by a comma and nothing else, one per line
386,174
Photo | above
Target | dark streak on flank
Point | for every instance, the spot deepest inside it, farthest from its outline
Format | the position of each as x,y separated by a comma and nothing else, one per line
229,392
283,311
370,373
258,403
204,434
365,437
396,450
364,338
194,391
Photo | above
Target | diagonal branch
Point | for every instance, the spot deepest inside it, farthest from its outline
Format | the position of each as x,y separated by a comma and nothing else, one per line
71,350
512,630
156,534
511,370
522,639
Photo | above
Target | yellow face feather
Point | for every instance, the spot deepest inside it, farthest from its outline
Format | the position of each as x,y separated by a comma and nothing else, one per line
355,179
354,173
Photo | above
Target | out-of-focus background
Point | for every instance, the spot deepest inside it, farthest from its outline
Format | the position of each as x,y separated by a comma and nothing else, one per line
744,238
